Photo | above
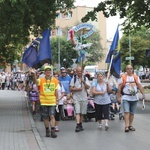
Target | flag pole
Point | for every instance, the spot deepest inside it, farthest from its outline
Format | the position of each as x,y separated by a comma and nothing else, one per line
109,68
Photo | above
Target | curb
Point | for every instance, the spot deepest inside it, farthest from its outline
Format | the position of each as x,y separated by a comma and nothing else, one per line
34,129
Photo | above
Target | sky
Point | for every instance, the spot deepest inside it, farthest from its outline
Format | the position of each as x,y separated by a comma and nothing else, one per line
112,22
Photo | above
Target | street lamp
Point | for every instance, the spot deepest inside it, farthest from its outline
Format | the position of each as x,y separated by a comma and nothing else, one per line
130,48
58,32
64,63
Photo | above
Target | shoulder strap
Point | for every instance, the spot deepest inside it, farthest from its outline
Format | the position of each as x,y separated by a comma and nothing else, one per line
75,78
84,78
135,78
124,78
60,84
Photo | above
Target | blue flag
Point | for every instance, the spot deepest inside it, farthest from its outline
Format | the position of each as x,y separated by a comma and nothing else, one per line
113,46
30,56
41,51
116,65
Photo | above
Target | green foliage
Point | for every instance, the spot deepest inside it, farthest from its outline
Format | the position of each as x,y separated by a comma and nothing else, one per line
20,18
96,51
66,51
136,12
139,43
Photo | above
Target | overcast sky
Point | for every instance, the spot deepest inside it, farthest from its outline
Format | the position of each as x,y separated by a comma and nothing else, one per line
112,22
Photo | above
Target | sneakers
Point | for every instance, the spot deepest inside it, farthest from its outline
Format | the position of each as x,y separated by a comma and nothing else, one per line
106,127
56,129
100,126
47,133
34,112
79,128
53,134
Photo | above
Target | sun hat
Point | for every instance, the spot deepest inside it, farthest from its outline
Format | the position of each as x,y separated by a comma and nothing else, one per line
47,67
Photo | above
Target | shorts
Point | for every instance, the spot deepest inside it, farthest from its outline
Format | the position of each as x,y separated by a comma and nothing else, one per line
80,107
101,111
129,106
48,111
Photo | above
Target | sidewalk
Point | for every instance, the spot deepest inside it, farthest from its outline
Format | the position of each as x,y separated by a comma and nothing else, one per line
17,128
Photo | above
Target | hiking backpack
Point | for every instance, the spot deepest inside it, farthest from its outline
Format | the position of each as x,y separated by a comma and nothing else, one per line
124,78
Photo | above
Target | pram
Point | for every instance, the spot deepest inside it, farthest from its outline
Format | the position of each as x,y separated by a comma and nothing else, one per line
90,110
113,112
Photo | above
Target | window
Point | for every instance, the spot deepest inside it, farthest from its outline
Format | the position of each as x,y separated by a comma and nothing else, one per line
60,15
59,32
68,15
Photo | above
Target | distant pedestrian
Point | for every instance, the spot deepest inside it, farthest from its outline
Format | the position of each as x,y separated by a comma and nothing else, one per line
3,80
79,88
128,84
33,94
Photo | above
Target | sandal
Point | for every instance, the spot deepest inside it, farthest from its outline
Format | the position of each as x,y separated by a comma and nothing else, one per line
131,128
126,129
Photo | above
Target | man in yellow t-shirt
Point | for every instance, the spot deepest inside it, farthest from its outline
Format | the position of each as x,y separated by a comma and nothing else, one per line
48,86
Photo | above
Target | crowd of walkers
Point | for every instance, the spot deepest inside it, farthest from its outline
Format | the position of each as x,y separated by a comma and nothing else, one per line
72,88
12,81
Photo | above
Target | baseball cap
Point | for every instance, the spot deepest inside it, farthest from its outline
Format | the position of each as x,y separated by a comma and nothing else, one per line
47,67
62,68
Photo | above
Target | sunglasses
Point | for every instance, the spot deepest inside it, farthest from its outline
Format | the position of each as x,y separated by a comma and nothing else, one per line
129,68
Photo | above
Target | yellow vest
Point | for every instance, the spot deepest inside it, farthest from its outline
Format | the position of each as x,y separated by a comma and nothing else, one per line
47,90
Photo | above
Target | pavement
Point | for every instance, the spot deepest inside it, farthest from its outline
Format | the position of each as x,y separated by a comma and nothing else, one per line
17,127
147,96
18,130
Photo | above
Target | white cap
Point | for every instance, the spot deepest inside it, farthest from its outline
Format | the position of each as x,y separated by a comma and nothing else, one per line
62,68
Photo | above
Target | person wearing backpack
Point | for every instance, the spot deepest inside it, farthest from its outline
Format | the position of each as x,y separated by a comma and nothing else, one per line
129,84
78,86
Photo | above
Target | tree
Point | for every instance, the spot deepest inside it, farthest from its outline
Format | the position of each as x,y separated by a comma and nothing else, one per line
20,18
96,51
139,43
66,52
136,12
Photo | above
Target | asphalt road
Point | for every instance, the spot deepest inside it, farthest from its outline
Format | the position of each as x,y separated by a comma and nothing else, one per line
93,139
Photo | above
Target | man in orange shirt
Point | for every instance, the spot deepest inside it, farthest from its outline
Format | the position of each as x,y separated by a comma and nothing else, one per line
48,86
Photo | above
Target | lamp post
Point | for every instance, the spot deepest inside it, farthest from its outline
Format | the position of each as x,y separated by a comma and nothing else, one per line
15,66
58,51
64,63
130,48
58,32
